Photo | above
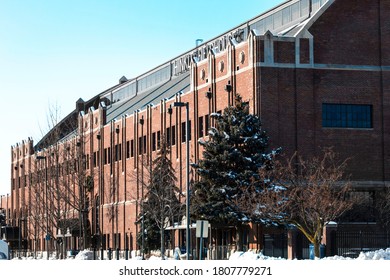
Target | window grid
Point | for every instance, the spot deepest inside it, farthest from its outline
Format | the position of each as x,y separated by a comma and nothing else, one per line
346,115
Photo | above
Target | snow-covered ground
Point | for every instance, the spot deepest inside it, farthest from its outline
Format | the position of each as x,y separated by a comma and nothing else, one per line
240,262
382,254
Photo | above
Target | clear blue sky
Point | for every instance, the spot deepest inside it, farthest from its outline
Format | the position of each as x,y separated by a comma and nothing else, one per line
56,51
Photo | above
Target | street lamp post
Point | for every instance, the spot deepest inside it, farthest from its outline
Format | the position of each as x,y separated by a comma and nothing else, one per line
47,206
188,235
141,121
101,193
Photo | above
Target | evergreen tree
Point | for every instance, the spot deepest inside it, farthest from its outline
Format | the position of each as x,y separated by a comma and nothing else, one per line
232,156
161,205
152,234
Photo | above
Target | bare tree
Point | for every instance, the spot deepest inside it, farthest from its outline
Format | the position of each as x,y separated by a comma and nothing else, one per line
305,193
60,199
44,207
35,209
383,208
75,192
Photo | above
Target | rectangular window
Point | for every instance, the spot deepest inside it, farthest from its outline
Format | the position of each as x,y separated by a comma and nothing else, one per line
95,159
206,124
118,152
201,129
168,135
173,135
154,145
142,145
139,145
127,149
131,148
346,115
158,140
189,132
183,131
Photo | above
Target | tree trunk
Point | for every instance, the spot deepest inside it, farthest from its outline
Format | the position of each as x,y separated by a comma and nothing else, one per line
317,240
239,240
316,249
162,240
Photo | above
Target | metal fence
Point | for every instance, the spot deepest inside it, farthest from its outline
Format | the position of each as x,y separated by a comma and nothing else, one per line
351,243
220,252
275,245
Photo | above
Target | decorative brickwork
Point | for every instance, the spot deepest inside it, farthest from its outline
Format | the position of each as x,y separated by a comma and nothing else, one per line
341,57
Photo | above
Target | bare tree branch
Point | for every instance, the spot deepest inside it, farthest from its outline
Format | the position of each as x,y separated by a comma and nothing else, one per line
305,193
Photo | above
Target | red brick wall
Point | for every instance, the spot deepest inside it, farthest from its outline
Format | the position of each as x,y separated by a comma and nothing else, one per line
291,99
348,33
288,100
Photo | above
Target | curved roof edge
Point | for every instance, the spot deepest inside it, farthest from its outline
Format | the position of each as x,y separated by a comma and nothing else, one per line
290,18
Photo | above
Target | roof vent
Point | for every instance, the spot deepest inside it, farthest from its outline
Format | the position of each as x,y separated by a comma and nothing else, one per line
123,80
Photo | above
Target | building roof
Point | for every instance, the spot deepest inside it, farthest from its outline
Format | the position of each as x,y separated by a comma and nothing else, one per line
170,78
287,19
153,95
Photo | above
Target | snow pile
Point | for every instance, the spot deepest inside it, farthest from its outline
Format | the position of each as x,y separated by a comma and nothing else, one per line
84,255
250,255
375,255
382,254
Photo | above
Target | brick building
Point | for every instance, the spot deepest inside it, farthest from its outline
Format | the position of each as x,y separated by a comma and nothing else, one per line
315,71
